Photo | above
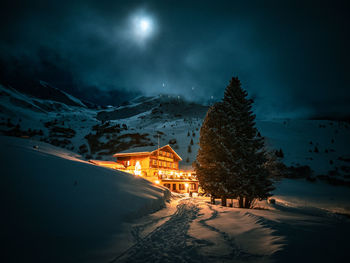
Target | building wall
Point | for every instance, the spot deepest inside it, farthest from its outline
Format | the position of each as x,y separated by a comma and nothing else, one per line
180,186
167,164
151,163
130,161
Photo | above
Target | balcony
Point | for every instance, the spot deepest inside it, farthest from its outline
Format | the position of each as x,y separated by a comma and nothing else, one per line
180,175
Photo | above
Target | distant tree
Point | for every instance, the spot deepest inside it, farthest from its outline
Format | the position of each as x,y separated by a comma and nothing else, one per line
189,150
316,149
187,160
231,160
188,134
191,142
279,153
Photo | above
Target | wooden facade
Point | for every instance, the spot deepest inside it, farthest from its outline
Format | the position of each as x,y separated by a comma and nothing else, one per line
160,166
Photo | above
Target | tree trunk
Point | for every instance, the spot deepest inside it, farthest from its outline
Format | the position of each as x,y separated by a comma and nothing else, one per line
223,201
240,202
231,204
247,202
212,200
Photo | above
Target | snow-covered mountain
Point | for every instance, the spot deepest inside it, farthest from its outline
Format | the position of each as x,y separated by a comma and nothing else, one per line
322,145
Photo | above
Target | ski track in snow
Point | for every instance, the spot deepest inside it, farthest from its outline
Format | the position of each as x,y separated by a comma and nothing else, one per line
170,242
236,252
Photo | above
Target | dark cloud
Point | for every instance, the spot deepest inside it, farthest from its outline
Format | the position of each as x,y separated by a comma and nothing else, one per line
291,56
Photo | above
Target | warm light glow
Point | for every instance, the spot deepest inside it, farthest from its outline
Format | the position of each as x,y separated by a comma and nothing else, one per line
137,168
186,184
157,182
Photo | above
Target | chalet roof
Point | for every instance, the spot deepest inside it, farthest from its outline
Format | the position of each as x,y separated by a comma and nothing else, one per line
147,150
107,163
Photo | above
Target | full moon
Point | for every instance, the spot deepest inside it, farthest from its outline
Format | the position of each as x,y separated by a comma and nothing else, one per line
143,26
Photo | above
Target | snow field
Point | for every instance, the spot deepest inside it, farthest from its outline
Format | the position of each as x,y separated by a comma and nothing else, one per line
60,208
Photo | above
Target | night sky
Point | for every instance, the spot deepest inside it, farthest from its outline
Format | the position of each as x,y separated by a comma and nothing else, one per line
292,56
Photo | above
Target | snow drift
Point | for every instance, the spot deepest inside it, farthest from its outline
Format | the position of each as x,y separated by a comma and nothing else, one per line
59,208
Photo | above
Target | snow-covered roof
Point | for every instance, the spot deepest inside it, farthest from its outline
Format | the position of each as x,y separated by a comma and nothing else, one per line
144,149
147,150
112,164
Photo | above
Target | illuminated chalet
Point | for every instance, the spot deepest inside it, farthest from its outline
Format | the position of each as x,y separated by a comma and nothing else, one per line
160,166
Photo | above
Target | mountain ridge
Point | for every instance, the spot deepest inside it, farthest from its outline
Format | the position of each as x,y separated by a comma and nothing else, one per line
98,133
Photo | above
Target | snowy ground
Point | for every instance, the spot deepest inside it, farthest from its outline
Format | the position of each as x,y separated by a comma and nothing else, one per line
57,207
299,193
197,231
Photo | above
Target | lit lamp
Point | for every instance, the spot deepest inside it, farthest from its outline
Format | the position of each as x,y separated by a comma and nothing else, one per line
137,170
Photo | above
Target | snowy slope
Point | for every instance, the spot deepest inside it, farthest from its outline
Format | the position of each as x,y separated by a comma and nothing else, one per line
323,145
318,195
193,230
59,208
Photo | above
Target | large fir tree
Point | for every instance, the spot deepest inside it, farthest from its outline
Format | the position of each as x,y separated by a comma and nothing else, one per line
231,160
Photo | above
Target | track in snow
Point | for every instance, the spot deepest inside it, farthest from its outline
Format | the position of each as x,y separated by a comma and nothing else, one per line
170,242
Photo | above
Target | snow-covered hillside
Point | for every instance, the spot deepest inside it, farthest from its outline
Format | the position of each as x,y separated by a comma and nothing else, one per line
99,133
60,208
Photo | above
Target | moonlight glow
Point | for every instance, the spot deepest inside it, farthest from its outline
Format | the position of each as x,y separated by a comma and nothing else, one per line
143,26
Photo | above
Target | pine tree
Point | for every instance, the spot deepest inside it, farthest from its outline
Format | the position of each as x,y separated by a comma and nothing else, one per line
279,153
231,160
189,150
208,163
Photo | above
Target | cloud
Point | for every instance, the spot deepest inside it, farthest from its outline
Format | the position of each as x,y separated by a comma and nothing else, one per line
292,58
